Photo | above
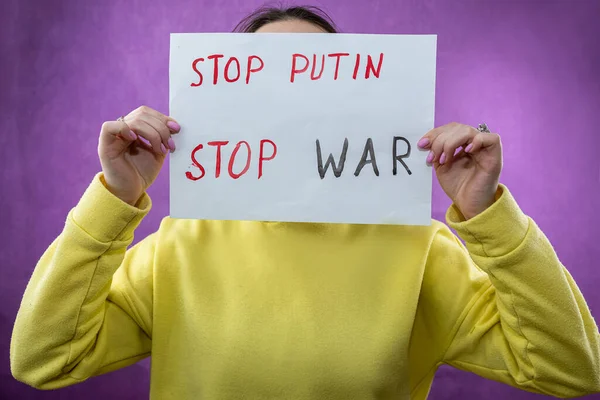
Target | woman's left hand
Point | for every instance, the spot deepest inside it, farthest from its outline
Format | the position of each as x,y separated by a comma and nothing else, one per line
467,163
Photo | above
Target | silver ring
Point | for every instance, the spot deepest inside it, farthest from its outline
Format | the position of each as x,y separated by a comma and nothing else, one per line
483,128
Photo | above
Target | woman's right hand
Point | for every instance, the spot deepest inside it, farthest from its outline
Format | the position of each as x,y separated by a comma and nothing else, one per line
129,164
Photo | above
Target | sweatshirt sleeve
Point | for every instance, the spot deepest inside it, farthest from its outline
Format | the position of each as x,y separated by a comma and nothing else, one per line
521,318
87,308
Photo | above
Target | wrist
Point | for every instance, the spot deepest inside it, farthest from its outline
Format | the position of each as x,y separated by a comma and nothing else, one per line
125,196
473,208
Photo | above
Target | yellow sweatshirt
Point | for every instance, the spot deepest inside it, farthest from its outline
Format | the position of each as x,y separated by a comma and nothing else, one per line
252,310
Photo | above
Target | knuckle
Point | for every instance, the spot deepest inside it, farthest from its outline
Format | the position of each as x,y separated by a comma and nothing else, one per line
438,141
437,149
155,138
133,123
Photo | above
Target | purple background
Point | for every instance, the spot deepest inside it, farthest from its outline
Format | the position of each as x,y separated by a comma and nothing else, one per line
530,69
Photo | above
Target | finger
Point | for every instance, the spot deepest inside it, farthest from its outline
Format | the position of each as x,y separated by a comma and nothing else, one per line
143,143
160,128
437,146
172,128
481,141
427,139
170,122
146,131
112,131
459,138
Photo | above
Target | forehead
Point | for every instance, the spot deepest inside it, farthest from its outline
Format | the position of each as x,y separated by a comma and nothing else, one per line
290,26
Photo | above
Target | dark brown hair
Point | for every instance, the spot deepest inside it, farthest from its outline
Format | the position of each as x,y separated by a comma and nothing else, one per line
268,14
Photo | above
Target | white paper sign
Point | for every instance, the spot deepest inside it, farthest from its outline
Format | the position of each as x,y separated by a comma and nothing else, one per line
268,120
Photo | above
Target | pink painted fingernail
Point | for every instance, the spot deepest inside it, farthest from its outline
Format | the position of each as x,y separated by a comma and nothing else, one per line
174,126
457,150
443,158
132,135
163,148
171,144
423,142
430,157
469,147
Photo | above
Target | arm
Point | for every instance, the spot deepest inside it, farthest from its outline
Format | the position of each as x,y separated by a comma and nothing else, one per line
514,313
87,309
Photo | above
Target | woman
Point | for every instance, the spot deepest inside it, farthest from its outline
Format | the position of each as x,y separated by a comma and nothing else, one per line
233,309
